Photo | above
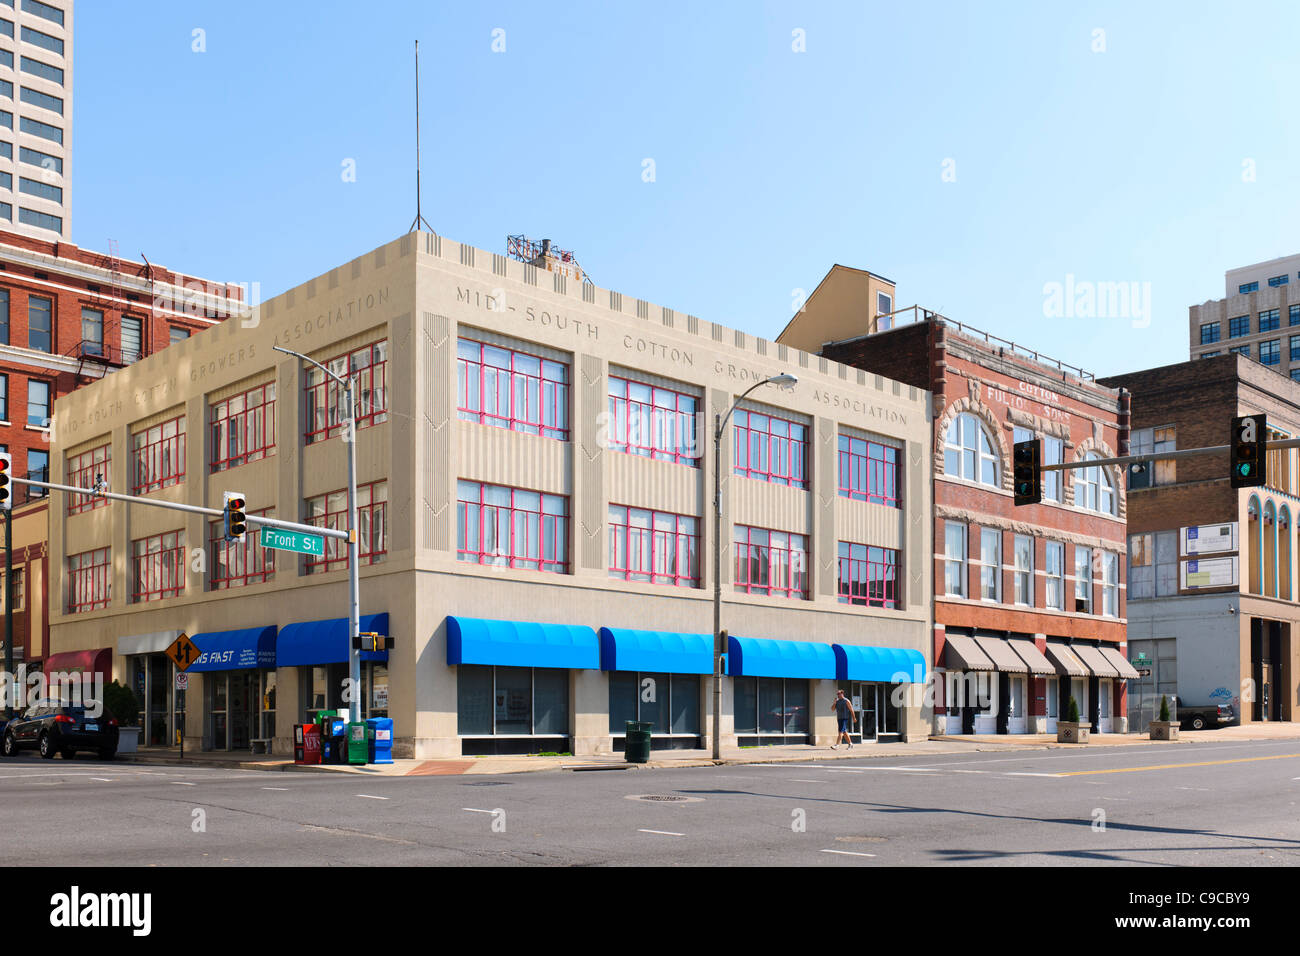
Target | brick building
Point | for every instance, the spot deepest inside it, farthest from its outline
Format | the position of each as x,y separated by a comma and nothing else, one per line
1028,601
1211,579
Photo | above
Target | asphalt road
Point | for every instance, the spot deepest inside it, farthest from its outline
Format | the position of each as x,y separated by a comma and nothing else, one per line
1200,804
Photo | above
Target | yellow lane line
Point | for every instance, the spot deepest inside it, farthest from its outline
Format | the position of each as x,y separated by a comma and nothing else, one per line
1175,766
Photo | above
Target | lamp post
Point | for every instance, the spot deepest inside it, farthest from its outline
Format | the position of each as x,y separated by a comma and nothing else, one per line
720,422
354,599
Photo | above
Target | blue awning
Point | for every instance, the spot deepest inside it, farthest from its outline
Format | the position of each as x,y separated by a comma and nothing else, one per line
326,642
235,650
473,640
756,657
889,665
663,651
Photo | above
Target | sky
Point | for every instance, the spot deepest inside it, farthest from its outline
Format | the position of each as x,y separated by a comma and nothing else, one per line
714,158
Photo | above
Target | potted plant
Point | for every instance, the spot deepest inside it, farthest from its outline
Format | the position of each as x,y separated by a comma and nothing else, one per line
1070,731
1164,728
121,704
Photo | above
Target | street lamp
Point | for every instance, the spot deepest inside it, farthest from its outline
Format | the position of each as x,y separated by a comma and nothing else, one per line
720,422
354,600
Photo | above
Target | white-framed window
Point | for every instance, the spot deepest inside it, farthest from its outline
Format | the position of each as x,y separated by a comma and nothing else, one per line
1110,585
1093,488
1055,561
1024,574
1082,580
968,453
954,565
1152,564
1053,454
990,564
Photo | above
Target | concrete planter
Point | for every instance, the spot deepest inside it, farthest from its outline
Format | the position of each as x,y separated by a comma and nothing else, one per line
128,740
1163,729
1068,733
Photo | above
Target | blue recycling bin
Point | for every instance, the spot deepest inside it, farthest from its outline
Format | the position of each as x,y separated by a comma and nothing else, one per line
379,739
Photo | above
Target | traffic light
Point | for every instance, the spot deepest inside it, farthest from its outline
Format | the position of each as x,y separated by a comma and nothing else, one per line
370,641
6,466
1248,446
1027,473
236,520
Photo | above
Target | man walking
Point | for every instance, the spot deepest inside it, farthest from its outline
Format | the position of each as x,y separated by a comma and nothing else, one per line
843,708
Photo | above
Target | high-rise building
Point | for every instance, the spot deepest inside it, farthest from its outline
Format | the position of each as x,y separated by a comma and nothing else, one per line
1258,316
36,117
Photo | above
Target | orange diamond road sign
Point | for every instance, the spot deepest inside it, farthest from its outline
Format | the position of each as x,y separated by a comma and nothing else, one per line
183,652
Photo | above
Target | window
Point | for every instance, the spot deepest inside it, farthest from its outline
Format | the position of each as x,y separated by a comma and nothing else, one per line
1293,314
652,421
237,563
40,323
4,399
954,565
178,334
1110,585
159,454
42,40
38,403
1269,320
884,312
243,427
1209,333
40,190
868,471
43,70
968,453
1093,488
17,590
7,29
44,100
772,563
331,511
1270,352
7,214
514,701
656,547
34,157
1053,454
1024,573
512,527
89,581
1206,355
674,707
1150,441
7,180
326,402
1241,350
38,468
867,576
511,389
1247,287
770,705
771,449
1293,346
6,119
1082,580
1238,325
44,130
1152,564
1055,555
990,564
85,471
1276,281
158,567
4,317
92,332
44,10
132,343
1295,374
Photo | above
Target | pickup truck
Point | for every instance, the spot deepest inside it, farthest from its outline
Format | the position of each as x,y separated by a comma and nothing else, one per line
1200,716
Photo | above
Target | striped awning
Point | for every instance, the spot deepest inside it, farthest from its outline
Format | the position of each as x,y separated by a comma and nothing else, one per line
1126,670
1067,663
1001,654
1032,656
1094,661
961,653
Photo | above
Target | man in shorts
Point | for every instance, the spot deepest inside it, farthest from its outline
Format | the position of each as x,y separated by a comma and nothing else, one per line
843,708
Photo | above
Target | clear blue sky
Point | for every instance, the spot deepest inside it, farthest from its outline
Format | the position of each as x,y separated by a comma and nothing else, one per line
770,165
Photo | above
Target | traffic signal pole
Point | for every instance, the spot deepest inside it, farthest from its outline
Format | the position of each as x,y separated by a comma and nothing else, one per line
1164,455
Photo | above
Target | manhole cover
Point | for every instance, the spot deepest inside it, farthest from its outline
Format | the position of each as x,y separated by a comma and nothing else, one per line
664,798
859,839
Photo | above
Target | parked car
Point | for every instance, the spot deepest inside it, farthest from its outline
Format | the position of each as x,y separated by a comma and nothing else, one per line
1200,716
60,727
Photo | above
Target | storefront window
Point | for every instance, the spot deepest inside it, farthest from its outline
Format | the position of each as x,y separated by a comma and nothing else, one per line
669,702
512,701
269,687
771,705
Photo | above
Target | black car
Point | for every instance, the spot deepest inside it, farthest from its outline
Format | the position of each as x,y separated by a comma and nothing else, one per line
59,727
1200,716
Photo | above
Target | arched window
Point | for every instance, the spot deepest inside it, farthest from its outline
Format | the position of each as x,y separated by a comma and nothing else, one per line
1269,566
1093,487
1284,553
968,453
1254,554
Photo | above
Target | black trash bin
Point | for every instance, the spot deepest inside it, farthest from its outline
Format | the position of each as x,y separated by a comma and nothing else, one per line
636,743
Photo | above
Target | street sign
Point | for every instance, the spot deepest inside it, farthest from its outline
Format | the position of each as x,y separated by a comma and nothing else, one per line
182,681
300,541
183,652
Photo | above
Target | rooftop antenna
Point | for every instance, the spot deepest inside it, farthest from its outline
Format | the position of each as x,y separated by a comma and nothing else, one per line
419,216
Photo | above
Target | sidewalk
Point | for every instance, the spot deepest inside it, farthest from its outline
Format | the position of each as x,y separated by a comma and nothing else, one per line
456,766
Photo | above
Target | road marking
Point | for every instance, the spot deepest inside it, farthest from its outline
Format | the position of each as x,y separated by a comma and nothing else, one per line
1039,774
369,797
662,832
968,771
848,853
804,780
848,771
102,779
181,783
276,788
1176,766
472,810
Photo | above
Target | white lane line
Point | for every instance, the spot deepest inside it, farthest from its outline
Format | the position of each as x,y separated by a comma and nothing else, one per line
805,780
968,771
848,853
793,765
369,797
102,779
846,771
181,783
1033,775
662,832
472,810
276,788
19,776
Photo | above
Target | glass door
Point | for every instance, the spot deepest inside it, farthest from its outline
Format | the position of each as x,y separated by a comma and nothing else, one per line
1053,705
1017,722
218,711
159,701
887,711
243,698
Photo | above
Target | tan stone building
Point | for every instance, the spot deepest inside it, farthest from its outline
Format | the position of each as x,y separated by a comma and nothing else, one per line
535,485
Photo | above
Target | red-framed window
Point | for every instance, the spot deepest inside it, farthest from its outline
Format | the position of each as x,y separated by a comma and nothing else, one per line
326,402
867,575
82,471
243,427
512,527
652,421
768,562
511,389
656,547
771,449
331,511
868,471
90,580
158,567
159,454
236,563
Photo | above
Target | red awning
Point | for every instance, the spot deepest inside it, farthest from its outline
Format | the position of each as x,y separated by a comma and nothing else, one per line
82,662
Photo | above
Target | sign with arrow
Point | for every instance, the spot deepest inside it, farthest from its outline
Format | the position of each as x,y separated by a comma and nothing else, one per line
183,652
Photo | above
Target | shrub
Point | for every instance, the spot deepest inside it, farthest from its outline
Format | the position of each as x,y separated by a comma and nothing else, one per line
1164,708
121,703
1072,711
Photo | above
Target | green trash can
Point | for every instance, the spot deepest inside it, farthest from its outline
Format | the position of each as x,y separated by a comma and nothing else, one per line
357,746
636,742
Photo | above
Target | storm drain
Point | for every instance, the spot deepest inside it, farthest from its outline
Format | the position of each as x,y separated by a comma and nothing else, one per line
664,798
